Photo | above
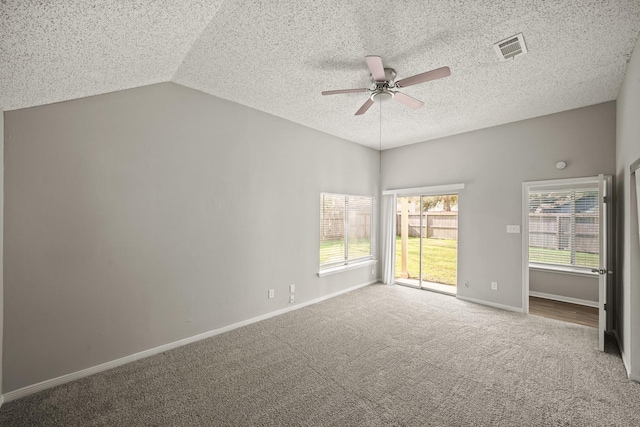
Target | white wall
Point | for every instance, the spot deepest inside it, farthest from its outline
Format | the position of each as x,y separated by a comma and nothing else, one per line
1,242
564,285
142,217
493,163
628,267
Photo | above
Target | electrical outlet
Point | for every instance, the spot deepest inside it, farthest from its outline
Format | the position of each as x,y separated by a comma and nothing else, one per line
292,299
466,283
292,288
494,286
272,293
373,271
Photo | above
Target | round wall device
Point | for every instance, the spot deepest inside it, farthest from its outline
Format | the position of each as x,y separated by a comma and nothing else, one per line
561,165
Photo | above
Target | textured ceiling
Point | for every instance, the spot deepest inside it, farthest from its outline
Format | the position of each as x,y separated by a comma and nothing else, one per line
53,51
277,56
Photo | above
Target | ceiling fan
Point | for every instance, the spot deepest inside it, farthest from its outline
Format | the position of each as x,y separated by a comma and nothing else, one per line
383,81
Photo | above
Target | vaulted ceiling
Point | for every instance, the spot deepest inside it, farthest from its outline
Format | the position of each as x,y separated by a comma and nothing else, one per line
277,56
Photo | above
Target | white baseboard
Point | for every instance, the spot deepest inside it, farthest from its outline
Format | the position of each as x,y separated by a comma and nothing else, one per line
561,298
43,385
622,354
491,304
625,361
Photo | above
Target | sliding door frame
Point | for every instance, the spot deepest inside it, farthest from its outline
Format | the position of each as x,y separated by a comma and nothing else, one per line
437,190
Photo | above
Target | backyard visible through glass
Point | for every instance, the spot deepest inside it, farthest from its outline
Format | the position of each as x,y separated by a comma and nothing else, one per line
439,259
564,227
427,242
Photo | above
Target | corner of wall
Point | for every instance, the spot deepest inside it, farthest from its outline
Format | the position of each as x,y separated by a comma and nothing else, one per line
1,242
628,264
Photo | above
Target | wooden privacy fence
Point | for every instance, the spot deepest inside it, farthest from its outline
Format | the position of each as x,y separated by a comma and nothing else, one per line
332,226
435,225
553,231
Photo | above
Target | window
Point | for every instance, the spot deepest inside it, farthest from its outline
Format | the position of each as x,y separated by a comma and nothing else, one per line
564,226
345,229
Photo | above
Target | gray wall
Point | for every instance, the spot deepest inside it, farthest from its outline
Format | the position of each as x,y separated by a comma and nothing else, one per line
628,267
564,285
138,218
1,242
493,163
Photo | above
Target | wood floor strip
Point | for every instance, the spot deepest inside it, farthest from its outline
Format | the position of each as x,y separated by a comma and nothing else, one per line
564,311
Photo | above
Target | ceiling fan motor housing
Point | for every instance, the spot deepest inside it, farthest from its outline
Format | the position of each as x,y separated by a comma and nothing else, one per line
381,93
389,76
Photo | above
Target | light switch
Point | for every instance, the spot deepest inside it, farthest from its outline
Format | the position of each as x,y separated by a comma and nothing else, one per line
513,229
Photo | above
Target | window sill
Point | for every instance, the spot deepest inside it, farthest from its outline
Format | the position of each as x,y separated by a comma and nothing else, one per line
563,270
341,268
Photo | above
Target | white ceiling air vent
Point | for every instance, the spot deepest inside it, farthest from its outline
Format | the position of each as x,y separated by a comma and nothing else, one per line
510,47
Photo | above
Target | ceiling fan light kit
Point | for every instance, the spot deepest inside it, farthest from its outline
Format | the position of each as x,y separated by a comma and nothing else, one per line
383,81
382,96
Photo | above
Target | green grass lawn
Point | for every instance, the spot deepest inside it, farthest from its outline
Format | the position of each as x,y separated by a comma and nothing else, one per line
583,259
439,257
333,250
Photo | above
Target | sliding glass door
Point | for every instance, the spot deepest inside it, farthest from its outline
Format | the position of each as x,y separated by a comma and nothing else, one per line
427,242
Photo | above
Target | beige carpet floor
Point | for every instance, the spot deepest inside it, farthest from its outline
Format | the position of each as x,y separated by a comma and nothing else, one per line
379,356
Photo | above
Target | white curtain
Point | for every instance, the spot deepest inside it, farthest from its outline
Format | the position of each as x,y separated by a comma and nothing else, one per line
388,238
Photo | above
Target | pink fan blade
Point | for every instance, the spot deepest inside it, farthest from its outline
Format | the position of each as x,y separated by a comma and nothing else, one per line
336,92
407,100
364,107
375,66
424,77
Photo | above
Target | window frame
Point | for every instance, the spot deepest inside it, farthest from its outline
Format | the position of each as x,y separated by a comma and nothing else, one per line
347,263
556,185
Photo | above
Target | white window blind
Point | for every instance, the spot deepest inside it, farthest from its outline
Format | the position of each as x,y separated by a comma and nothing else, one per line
345,229
564,227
